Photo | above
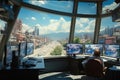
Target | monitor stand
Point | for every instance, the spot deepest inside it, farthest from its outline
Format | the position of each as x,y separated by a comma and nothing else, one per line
74,55
117,59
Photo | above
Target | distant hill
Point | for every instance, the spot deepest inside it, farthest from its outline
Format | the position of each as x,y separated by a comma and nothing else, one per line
57,36
62,35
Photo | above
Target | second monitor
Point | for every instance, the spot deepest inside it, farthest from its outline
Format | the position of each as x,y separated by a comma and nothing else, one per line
89,48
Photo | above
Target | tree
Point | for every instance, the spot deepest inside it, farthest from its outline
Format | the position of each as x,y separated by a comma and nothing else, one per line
57,51
76,40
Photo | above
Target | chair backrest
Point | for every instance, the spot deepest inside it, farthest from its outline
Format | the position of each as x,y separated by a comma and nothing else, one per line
94,68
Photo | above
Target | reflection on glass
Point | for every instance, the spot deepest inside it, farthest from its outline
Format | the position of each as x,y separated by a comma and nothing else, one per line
64,6
86,8
84,30
109,31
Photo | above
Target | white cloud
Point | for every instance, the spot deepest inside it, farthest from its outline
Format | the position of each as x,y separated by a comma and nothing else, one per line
44,18
33,18
26,28
84,20
110,7
61,25
38,2
118,24
102,28
85,25
90,27
55,26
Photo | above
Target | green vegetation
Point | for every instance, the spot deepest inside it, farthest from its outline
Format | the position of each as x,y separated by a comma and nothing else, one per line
76,40
88,41
57,51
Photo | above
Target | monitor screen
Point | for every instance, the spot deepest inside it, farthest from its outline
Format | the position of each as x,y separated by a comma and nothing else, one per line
111,50
89,48
73,48
9,49
30,48
23,49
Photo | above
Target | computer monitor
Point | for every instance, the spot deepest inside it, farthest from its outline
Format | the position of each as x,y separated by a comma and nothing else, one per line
89,48
30,48
111,50
74,48
9,50
23,50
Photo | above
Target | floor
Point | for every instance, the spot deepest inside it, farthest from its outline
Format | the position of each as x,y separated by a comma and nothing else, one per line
59,76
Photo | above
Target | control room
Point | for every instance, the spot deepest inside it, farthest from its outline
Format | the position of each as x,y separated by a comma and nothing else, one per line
60,39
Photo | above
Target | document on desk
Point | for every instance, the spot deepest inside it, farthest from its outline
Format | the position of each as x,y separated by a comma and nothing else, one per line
40,64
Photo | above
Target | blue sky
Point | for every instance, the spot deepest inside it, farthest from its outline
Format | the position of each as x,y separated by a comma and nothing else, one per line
51,23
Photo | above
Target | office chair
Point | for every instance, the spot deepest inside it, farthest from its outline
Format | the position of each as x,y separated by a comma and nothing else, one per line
93,70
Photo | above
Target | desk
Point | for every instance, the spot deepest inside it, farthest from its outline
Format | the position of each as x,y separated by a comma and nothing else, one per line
75,65
19,74
113,73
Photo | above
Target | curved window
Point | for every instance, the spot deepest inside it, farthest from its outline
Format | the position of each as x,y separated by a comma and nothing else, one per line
64,6
86,8
109,31
48,32
84,30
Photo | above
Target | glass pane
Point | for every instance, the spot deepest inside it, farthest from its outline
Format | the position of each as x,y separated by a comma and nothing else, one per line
48,32
108,6
64,6
86,8
84,30
109,31
3,26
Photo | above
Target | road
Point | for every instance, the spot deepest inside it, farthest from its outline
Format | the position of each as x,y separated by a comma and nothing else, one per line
45,50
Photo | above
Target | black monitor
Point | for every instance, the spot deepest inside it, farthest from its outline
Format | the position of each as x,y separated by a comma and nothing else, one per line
74,48
111,50
89,48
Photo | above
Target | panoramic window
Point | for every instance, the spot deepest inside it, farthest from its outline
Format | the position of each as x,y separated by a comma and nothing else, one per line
84,30
109,31
3,25
48,32
64,6
86,8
